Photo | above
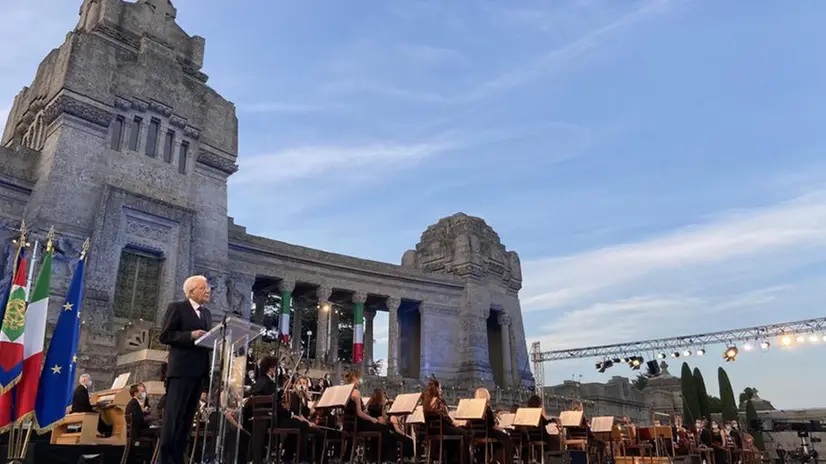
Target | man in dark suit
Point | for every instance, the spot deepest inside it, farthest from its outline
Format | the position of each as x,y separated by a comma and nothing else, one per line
82,403
188,366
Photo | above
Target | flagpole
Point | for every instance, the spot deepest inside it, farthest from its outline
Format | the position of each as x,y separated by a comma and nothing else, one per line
20,241
31,266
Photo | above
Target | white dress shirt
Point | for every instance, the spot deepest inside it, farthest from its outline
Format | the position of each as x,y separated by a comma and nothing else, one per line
196,307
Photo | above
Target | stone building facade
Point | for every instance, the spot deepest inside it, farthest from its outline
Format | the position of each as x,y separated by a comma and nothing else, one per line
120,139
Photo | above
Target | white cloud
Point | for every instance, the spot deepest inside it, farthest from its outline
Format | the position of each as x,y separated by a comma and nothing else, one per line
783,232
297,163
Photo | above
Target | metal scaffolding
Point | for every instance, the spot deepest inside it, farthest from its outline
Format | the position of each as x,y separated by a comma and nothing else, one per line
764,333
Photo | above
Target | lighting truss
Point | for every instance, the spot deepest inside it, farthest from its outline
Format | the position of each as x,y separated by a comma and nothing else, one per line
683,342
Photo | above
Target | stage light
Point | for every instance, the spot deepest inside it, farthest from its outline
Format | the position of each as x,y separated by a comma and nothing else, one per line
617,360
785,340
675,354
661,355
599,365
800,339
701,352
687,353
765,345
624,359
813,338
730,354
748,346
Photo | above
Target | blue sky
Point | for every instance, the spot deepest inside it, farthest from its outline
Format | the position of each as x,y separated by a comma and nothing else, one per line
655,163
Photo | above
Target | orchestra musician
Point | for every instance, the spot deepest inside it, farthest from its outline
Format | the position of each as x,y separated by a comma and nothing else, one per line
719,441
493,429
433,405
82,403
185,321
377,407
364,422
141,427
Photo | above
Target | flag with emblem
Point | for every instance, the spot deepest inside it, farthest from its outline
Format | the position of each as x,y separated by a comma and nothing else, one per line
11,332
6,399
55,390
34,338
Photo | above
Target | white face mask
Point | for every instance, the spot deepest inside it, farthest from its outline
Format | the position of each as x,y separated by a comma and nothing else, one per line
698,425
142,395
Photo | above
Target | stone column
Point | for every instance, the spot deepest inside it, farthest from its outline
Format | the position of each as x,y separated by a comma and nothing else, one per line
358,327
332,349
393,304
368,336
286,288
324,309
507,371
298,334
260,300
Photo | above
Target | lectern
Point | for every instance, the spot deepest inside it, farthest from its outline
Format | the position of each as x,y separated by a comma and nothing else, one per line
229,342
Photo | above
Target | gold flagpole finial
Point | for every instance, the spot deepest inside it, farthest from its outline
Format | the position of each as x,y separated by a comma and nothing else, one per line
20,241
50,237
85,249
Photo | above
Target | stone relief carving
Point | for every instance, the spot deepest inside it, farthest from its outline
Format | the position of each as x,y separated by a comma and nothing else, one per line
140,105
160,108
359,297
286,285
238,299
122,104
70,105
218,162
118,34
177,121
146,229
323,292
193,133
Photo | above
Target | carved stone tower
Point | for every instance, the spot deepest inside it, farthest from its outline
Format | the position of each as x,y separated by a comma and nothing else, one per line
121,140
467,247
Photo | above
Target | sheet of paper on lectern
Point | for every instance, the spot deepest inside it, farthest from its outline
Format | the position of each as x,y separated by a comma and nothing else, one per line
417,417
471,409
335,397
602,424
120,381
459,422
572,418
506,420
527,417
405,403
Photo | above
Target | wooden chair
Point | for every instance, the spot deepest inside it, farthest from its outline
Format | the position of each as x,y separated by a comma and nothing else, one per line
435,432
354,437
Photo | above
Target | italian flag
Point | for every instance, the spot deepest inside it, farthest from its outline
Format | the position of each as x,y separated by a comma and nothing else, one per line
34,339
284,317
358,333
11,334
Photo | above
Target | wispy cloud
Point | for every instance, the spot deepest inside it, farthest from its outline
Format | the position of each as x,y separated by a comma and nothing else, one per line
789,227
297,163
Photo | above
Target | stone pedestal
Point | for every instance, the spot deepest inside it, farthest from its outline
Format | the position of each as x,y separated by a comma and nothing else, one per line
143,365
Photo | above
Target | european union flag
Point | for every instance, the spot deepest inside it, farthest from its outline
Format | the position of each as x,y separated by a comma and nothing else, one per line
54,394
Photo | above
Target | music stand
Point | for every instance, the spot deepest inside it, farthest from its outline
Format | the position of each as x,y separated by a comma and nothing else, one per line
229,342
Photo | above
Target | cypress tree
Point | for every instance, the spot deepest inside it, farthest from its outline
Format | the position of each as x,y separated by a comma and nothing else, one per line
726,395
751,421
691,409
702,395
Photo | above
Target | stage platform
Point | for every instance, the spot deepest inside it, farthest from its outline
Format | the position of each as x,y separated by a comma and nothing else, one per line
41,452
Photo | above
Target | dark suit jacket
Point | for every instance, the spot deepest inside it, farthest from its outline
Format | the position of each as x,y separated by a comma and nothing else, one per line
135,411
264,386
185,359
80,400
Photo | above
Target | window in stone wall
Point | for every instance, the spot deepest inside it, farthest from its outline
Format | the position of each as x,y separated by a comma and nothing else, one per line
135,133
182,157
117,132
168,146
137,285
152,138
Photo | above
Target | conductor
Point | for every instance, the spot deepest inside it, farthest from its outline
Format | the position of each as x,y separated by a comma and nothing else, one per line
184,322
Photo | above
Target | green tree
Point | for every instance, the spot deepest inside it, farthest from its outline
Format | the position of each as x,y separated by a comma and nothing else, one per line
729,407
747,394
702,394
640,382
715,405
752,420
691,406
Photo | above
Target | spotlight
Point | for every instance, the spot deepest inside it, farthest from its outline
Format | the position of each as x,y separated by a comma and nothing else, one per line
701,352
765,345
730,354
748,346
675,354
786,340
599,365
687,353
800,339
813,338
623,359
617,360
661,355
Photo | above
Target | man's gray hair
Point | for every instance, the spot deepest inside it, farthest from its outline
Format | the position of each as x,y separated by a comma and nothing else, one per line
191,282
82,378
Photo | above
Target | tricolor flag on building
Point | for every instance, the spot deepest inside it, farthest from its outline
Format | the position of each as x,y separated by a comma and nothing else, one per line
358,332
57,381
284,316
11,332
34,339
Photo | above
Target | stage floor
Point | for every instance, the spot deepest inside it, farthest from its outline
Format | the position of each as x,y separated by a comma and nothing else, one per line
41,452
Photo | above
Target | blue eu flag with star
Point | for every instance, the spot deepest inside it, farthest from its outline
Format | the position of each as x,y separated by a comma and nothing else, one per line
57,380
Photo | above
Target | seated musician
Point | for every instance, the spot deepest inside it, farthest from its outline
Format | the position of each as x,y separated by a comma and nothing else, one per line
365,422
141,427
554,441
736,440
377,407
681,440
493,429
433,405
719,441
82,403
